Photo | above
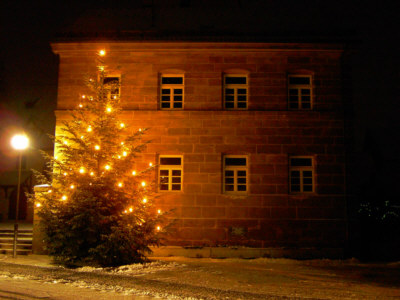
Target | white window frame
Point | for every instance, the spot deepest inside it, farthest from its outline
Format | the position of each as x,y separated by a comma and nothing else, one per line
235,170
110,94
172,87
300,91
301,177
170,169
235,94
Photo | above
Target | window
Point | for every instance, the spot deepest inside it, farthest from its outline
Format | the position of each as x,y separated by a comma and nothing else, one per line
299,92
170,178
235,174
301,171
235,92
112,85
171,92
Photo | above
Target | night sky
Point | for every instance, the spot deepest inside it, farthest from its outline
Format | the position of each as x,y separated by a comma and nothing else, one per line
28,69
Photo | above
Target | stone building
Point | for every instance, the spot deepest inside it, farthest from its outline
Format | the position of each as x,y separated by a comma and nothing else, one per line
248,136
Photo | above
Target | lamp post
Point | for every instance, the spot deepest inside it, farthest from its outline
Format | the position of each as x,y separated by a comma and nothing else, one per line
19,142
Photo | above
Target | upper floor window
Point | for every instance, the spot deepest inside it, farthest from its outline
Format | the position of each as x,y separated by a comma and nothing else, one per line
301,173
113,86
300,92
235,174
170,173
235,91
171,92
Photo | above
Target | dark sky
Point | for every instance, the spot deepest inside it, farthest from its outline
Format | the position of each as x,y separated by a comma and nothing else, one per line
28,69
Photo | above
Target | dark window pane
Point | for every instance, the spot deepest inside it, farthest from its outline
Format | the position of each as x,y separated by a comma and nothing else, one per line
178,98
229,98
164,172
235,161
306,105
229,105
176,180
295,180
242,105
241,180
305,91
307,173
164,180
293,92
293,105
176,187
178,105
242,98
165,105
241,188
300,162
242,91
164,187
229,91
307,180
178,91
172,80
229,173
176,172
295,173
176,161
111,80
235,80
229,180
299,80
165,91
241,173
229,188
165,98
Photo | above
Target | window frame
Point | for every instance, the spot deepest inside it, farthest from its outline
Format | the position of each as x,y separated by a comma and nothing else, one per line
299,88
170,168
235,169
236,87
301,170
109,90
172,87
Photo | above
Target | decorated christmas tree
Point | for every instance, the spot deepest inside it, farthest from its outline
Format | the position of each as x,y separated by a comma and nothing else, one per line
99,208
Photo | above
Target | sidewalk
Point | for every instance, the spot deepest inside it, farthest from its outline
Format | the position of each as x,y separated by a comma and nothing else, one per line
262,278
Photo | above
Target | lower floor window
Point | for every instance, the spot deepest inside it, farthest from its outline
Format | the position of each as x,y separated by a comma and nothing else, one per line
170,174
301,172
235,174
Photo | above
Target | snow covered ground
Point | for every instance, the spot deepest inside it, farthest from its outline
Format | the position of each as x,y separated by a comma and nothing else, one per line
206,278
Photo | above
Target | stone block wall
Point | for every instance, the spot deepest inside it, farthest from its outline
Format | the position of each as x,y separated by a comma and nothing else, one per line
203,132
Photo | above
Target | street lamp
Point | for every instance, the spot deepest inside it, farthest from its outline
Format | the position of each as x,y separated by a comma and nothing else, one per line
19,142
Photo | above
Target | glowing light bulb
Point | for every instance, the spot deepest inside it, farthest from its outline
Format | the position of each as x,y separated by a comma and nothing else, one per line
159,211
102,52
65,143
82,137
82,170
80,105
125,211
134,173
64,198
150,164
83,96
108,109
49,191
124,153
119,184
101,68
107,167
140,129
158,228
144,200
119,156
72,187
56,157
122,125
65,174
122,143
130,209
143,183
115,97
89,129
91,173
38,205
97,147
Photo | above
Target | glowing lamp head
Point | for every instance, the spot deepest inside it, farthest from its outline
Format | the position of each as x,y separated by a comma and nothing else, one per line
134,173
80,105
97,147
91,173
144,200
89,129
72,186
119,184
81,170
63,198
158,228
159,211
125,153
38,205
108,109
143,183
102,52
107,167
83,96
130,209
122,125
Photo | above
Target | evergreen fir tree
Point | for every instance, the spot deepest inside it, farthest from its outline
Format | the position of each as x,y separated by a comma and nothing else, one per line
100,209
